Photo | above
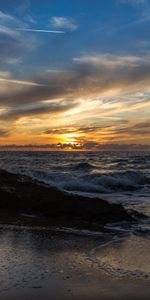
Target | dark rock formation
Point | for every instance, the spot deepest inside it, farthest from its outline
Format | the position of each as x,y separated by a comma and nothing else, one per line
22,194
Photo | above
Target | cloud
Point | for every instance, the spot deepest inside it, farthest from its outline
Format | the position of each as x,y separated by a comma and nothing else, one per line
98,90
8,31
6,75
10,22
20,111
140,128
121,127
29,147
87,76
76,129
92,137
6,78
8,19
14,40
88,146
13,44
63,23
4,132
134,2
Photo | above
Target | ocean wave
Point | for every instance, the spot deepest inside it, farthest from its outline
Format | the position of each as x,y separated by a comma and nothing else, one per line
122,177
128,181
83,166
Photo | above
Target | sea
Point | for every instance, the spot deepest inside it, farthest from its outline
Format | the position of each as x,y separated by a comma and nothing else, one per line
120,177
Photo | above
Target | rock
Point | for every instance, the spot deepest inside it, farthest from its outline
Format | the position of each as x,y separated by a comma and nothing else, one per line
21,193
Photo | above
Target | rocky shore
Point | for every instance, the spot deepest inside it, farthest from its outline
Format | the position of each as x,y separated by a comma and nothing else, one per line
21,194
55,245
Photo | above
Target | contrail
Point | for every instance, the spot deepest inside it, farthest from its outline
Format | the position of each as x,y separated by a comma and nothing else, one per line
40,30
21,82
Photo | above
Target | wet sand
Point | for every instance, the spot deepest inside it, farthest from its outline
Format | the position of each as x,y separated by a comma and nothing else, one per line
39,263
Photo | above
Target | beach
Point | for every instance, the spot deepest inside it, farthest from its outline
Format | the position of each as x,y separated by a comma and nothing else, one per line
40,263
81,249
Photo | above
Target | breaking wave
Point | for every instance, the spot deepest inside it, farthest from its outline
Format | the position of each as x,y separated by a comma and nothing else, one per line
97,182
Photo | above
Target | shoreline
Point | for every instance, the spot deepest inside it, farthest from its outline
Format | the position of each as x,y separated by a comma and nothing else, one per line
48,264
58,246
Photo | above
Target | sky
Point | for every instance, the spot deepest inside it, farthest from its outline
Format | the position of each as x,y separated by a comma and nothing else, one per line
75,74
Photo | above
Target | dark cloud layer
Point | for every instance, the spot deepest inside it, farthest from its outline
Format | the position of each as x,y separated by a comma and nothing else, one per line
87,146
87,75
18,112
141,128
123,127
4,132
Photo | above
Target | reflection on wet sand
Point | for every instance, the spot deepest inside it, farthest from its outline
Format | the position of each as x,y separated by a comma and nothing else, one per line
44,264
126,256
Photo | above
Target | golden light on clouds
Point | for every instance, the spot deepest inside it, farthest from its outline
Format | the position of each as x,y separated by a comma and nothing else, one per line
102,99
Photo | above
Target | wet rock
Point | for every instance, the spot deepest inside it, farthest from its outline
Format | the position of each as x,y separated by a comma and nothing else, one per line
23,194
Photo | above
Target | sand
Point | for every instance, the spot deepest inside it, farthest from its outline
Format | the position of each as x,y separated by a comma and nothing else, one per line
58,263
